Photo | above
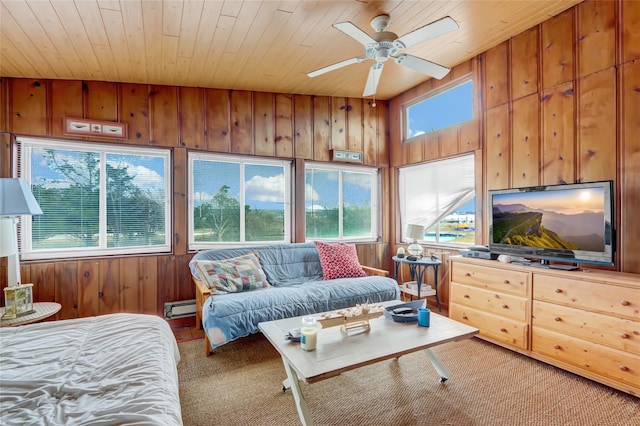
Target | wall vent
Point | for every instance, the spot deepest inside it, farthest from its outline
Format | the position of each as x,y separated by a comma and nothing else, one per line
180,309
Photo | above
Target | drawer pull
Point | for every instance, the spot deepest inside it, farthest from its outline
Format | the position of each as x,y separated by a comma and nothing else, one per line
504,330
466,296
464,317
466,274
556,346
506,282
624,368
505,306
624,303
558,290
557,319
624,335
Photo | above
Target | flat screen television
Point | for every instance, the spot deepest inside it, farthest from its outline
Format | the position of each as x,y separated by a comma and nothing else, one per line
569,223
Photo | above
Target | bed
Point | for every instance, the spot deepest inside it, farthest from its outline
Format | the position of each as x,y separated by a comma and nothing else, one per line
105,370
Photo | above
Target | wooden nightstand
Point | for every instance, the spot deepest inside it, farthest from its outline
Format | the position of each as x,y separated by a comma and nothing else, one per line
43,310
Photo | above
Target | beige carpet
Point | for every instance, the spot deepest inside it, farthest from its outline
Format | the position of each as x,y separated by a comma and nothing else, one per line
241,385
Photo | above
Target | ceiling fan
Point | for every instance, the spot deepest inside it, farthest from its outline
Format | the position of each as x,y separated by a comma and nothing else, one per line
383,45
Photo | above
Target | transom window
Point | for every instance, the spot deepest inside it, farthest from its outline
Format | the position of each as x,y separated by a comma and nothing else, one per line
96,198
238,200
442,109
341,202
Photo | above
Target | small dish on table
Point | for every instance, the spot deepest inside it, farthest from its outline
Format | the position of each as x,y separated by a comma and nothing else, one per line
404,312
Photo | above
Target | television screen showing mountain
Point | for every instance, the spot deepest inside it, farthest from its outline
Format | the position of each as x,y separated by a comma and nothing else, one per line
570,219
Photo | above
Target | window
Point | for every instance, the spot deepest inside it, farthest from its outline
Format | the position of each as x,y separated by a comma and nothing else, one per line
440,195
97,199
341,202
445,108
220,185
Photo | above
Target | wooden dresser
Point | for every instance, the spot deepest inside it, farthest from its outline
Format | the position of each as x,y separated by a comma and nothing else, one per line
587,322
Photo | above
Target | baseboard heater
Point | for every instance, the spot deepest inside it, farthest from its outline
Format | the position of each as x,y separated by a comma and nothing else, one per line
180,309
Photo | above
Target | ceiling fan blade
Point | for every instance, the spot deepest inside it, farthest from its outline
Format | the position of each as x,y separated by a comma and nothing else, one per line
354,32
434,29
422,65
336,66
373,79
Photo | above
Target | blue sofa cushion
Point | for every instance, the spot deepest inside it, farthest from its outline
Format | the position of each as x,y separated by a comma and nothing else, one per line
226,317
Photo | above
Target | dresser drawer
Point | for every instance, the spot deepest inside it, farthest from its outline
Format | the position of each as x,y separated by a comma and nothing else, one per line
621,366
592,296
504,280
497,328
618,333
502,304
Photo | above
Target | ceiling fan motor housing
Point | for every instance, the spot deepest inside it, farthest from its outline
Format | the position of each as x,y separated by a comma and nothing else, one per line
384,47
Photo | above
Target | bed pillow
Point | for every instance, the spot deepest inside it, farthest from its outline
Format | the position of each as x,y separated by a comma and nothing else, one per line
232,275
339,260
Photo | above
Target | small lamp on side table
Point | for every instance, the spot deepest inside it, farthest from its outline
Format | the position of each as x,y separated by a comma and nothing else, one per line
414,233
16,199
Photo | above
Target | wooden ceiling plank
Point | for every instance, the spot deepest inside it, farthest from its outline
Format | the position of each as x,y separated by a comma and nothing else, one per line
256,58
109,4
189,28
78,38
52,26
12,31
116,33
169,59
256,35
171,17
25,17
244,24
212,59
152,21
92,21
107,63
14,63
133,22
307,15
231,8
210,24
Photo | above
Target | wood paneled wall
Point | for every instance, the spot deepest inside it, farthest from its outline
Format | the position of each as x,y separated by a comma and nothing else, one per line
278,125
558,103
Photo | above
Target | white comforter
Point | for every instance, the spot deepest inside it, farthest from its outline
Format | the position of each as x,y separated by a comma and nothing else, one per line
106,370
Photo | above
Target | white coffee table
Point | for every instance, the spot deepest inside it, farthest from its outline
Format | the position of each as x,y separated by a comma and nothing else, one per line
337,352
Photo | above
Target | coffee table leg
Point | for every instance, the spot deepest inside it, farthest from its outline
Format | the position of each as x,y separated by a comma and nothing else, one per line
438,365
301,404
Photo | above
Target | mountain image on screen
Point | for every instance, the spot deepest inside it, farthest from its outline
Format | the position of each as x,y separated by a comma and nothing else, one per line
518,224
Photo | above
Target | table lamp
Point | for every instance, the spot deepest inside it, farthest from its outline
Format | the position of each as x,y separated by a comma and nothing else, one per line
16,199
414,233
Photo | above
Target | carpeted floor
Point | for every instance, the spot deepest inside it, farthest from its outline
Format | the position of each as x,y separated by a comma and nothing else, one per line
241,385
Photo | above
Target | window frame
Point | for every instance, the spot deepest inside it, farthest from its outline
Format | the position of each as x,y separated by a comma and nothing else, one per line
23,167
432,94
376,214
243,160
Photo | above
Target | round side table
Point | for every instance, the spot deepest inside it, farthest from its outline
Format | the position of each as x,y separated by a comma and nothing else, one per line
42,310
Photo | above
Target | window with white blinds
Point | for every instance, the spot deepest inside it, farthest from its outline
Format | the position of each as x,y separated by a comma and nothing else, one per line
235,200
97,199
341,202
440,195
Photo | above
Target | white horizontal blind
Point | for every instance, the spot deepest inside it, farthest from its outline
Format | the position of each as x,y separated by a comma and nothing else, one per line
96,198
431,191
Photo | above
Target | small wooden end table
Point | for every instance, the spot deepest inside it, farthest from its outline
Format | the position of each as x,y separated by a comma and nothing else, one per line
42,310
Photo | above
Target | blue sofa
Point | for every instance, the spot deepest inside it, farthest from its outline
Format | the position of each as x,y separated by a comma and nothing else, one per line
296,288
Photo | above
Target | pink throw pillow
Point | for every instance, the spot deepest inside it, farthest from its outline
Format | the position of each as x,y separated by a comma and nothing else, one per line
339,260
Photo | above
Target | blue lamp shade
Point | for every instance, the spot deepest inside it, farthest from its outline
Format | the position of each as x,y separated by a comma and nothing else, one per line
16,198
